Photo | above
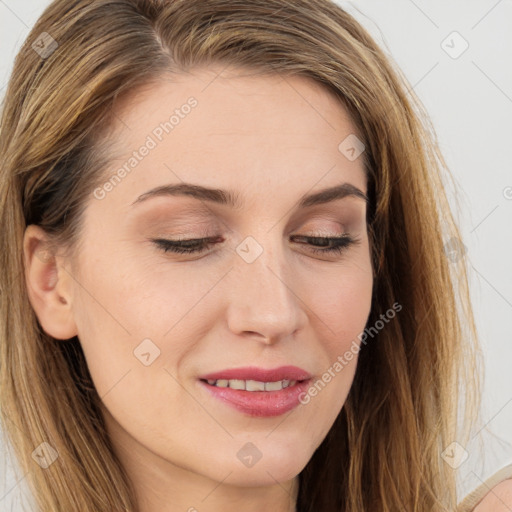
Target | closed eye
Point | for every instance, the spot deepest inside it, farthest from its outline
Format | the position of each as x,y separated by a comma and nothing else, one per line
318,244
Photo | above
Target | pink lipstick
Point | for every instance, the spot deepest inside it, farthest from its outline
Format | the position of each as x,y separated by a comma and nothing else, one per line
258,391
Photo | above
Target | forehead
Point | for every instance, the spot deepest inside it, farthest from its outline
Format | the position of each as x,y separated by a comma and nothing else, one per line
234,129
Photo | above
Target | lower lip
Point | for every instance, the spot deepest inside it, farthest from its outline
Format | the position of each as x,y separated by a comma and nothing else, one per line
260,403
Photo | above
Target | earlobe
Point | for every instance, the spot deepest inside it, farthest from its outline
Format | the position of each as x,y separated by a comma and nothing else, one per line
48,285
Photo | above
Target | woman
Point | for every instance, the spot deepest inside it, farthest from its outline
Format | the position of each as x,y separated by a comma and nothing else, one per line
223,250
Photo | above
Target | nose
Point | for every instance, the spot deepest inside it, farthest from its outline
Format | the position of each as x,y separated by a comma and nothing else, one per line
264,300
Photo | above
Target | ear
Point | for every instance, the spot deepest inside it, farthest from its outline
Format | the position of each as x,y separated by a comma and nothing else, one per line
48,285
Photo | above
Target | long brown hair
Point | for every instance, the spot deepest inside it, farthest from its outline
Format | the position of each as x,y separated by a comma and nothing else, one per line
384,451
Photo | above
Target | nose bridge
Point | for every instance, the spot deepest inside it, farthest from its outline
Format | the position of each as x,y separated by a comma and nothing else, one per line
262,298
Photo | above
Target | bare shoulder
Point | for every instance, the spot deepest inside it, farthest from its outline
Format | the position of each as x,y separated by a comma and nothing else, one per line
498,499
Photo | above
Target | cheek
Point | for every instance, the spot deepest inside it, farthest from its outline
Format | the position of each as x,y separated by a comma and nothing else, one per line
135,296
130,312
342,303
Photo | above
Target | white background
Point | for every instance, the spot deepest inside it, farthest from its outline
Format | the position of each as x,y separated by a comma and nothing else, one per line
469,99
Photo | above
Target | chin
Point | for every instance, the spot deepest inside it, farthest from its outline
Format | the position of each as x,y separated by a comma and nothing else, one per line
260,477
276,466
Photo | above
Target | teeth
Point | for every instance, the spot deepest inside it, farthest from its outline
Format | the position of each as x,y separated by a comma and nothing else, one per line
252,385
236,384
274,386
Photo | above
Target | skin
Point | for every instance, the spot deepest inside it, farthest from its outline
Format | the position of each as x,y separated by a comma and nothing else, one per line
272,140
498,499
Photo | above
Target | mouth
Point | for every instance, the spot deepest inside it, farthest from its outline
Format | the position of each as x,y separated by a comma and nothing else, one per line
263,396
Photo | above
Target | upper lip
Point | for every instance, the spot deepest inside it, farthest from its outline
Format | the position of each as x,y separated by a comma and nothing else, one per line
260,374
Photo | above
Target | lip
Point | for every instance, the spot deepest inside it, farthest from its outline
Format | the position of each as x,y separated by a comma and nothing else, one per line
260,374
260,403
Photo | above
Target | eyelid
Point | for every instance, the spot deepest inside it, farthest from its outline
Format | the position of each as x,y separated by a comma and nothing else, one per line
200,246
325,223
190,231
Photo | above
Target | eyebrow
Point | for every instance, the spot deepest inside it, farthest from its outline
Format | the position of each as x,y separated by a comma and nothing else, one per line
233,199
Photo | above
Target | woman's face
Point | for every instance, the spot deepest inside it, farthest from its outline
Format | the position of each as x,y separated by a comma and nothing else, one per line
154,324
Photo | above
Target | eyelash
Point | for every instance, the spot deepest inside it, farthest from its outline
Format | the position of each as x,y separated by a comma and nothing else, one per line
198,245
